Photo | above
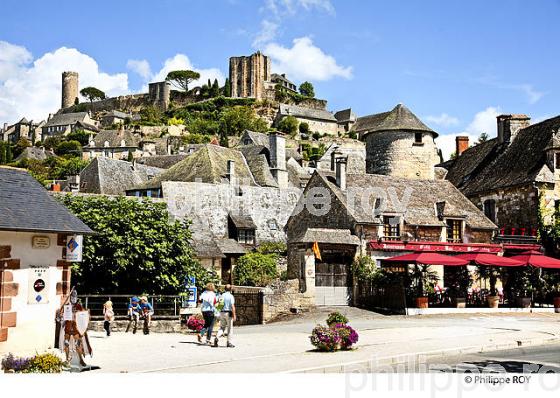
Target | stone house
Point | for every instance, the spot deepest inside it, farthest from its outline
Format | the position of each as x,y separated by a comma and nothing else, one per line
345,119
115,117
235,198
283,81
398,144
319,120
64,123
510,176
357,214
22,129
117,144
34,273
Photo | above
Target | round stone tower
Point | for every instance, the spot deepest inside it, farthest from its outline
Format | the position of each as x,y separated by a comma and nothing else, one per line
69,88
398,144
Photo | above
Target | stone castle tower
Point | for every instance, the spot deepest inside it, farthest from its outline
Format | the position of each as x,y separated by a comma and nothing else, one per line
69,88
248,74
398,144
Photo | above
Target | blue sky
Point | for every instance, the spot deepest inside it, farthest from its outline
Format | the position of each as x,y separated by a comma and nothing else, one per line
455,64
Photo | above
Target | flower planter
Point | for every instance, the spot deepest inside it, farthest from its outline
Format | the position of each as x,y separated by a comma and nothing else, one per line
422,302
557,304
460,302
493,301
523,302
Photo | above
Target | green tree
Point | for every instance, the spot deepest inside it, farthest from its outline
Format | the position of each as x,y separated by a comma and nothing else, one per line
136,248
60,168
5,152
215,89
483,137
52,142
79,135
288,125
255,269
182,78
92,94
151,115
20,145
304,128
307,89
227,88
73,148
239,118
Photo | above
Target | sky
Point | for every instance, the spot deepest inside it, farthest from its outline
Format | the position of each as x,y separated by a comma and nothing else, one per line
455,64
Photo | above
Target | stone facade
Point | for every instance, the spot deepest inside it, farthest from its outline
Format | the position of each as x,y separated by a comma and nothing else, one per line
281,297
248,75
354,150
268,207
398,154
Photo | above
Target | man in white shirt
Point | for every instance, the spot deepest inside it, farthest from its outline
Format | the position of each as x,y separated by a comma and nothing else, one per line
227,317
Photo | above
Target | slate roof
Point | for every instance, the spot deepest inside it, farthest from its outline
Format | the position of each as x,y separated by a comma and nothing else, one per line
113,177
307,113
400,118
327,235
257,160
207,165
263,140
119,114
25,205
242,221
65,119
33,152
345,115
203,240
421,207
162,162
490,165
230,246
114,138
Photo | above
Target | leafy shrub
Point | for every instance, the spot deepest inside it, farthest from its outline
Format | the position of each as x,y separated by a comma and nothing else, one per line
348,336
336,317
255,269
325,338
288,125
272,248
73,148
79,135
284,275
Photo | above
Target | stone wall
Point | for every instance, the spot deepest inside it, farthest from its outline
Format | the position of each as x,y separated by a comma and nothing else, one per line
268,207
248,305
516,207
395,153
281,297
355,151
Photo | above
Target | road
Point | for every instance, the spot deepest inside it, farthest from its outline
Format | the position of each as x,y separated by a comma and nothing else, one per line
284,346
542,359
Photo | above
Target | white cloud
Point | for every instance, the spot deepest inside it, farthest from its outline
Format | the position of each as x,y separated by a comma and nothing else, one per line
267,33
32,88
483,122
532,94
140,66
181,61
305,61
443,120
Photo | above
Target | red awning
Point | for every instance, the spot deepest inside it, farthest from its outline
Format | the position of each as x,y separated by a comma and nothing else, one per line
538,260
427,258
490,259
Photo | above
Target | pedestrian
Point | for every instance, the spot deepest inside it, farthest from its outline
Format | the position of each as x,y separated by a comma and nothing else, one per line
109,316
208,307
227,317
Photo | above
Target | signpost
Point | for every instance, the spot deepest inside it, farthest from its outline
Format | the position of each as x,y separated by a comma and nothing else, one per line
38,290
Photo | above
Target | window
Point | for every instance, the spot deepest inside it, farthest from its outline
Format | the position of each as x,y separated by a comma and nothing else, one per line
454,231
391,228
490,209
246,236
418,138
247,141
557,162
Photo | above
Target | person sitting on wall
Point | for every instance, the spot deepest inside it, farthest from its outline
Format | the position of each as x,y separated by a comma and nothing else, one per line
146,309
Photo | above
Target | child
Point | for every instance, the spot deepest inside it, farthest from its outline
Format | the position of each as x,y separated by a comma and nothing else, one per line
109,315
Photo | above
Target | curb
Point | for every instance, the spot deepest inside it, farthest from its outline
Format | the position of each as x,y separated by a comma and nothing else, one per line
366,366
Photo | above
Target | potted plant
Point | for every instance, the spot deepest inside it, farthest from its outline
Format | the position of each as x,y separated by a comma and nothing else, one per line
460,281
492,274
425,282
519,282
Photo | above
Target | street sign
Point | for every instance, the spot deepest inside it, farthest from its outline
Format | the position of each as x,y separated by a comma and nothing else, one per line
38,288
74,248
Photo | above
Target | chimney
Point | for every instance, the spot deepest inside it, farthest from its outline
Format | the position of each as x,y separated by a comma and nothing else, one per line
461,144
5,126
341,172
277,143
230,173
509,126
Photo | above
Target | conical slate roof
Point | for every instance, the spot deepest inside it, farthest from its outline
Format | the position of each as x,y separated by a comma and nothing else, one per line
400,118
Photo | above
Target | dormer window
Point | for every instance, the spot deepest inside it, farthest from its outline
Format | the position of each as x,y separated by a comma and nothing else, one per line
454,231
391,228
418,139
557,160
